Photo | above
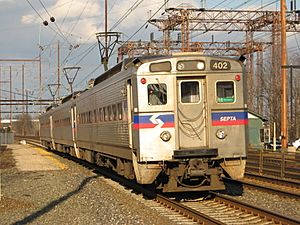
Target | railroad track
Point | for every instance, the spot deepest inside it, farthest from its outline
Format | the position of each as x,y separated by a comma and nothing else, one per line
218,209
289,188
231,211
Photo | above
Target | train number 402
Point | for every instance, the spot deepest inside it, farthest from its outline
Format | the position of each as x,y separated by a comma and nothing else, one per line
219,65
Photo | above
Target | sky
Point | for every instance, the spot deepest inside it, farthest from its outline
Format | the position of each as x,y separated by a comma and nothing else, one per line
23,35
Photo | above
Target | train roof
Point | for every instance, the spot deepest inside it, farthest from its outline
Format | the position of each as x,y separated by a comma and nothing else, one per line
69,97
124,65
130,62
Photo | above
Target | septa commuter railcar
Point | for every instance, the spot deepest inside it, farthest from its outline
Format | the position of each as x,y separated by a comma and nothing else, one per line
177,122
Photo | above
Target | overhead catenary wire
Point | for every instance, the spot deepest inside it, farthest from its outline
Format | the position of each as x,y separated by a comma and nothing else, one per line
45,8
59,32
241,16
75,24
166,2
89,50
35,10
126,14
128,38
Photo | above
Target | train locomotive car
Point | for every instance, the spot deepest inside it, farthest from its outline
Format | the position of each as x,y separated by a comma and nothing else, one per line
177,122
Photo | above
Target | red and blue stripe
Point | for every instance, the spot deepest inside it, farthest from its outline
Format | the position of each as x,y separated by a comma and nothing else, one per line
144,122
229,118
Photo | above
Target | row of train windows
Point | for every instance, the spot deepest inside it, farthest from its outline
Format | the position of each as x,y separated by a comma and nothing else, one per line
113,112
190,92
65,121
44,124
109,113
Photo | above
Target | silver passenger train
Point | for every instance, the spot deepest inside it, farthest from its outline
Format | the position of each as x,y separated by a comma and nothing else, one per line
177,122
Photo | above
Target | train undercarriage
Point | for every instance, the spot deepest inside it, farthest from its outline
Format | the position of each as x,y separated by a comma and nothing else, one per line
178,175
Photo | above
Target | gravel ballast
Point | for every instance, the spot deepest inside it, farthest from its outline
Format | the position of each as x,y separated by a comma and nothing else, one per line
75,195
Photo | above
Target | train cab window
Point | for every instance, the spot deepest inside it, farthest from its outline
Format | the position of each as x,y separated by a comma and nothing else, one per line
225,92
157,94
190,91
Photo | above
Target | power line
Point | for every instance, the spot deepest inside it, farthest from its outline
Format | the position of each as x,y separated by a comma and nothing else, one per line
46,24
166,2
71,30
45,9
126,14
35,10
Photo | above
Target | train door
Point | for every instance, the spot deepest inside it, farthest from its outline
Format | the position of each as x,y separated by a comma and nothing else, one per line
74,129
51,132
191,113
129,111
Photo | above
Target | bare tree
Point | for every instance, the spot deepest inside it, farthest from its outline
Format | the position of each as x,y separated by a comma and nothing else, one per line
24,125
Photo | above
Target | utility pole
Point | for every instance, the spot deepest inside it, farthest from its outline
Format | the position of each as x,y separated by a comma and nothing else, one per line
19,60
1,100
71,77
284,133
0,105
40,73
10,96
58,70
53,90
23,86
105,60
27,101
107,45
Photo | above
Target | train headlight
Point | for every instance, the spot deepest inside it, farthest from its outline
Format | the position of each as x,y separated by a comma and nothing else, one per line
200,65
165,136
221,134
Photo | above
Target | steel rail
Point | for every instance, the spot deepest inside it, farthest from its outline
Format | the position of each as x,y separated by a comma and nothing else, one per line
263,213
260,183
284,182
187,211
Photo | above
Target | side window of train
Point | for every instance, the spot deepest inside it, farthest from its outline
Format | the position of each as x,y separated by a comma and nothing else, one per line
89,117
125,110
190,91
225,91
100,114
157,94
114,112
106,113
95,116
120,111
110,115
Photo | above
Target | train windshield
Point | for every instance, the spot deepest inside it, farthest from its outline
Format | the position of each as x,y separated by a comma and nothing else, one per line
225,92
190,92
157,94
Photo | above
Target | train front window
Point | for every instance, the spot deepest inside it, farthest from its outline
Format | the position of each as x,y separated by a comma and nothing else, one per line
190,92
225,92
157,94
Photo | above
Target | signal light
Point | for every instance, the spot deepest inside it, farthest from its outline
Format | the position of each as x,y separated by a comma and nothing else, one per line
143,81
237,77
